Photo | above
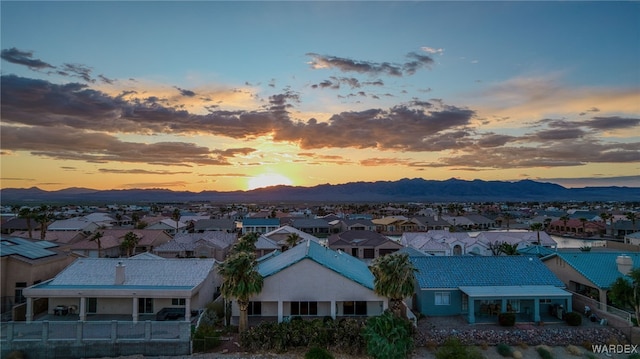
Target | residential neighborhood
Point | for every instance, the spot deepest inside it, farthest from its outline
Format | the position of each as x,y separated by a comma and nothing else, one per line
161,270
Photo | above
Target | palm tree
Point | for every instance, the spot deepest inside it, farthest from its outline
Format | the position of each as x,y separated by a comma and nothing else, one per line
509,249
176,217
292,240
240,280
604,217
27,214
564,219
96,238
584,224
394,278
42,216
129,243
246,243
507,218
537,227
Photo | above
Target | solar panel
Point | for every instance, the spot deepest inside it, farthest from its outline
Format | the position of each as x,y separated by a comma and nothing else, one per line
26,248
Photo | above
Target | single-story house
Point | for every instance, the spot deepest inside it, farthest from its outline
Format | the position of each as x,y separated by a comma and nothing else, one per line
311,280
481,287
259,225
590,273
363,244
25,262
212,244
132,287
281,234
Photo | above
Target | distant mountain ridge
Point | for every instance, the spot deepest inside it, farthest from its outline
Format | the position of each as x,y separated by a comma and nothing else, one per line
404,190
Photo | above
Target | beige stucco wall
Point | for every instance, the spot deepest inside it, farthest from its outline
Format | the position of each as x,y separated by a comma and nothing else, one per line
567,274
312,282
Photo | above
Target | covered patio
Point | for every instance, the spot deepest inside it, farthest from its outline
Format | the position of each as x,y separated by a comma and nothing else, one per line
530,303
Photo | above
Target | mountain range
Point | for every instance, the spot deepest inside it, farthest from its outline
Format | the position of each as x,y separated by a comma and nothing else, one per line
404,190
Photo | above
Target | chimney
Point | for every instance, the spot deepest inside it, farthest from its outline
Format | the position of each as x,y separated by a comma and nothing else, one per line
625,263
120,273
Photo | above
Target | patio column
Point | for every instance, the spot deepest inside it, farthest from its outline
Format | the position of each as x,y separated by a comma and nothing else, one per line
472,311
83,309
503,306
135,309
187,309
536,310
333,309
569,304
29,310
280,314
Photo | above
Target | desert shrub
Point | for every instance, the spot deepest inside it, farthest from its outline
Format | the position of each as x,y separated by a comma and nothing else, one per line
388,336
591,356
573,319
587,345
523,345
544,352
507,319
318,353
573,350
504,350
454,349
517,354
484,345
634,356
205,338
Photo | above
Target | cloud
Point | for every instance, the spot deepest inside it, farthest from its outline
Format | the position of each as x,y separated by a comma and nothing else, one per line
612,123
183,92
415,62
25,58
140,171
72,144
431,50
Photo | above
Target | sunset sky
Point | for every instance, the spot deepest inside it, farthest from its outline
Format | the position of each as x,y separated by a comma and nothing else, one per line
236,95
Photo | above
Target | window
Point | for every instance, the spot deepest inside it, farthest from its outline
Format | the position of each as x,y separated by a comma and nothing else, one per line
255,308
354,252
545,301
18,297
304,308
178,301
145,305
443,298
354,308
465,303
92,305
513,306
385,251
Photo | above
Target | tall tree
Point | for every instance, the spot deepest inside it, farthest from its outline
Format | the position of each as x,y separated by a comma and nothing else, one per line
96,238
129,243
246,243
27,213
292,240
42,217
240,280
625,292
176,217
394,278
564,219
537,227
584,225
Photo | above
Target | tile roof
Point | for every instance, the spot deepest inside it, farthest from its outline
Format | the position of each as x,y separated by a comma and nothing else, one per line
598,267
358,238
92,272
457,271
341,263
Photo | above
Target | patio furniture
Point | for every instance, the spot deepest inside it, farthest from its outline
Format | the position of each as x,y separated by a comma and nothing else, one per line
61,310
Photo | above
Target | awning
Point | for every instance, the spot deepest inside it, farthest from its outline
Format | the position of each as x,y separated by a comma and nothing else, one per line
516,291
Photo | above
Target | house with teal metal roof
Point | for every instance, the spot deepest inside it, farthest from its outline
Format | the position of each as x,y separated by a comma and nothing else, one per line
591,273
481,287
311,280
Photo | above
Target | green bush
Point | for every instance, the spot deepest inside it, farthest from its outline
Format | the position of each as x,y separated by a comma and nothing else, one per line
507,319
318,353
573,319
504,350
634,356
388,336
205,338
454,349
544,353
